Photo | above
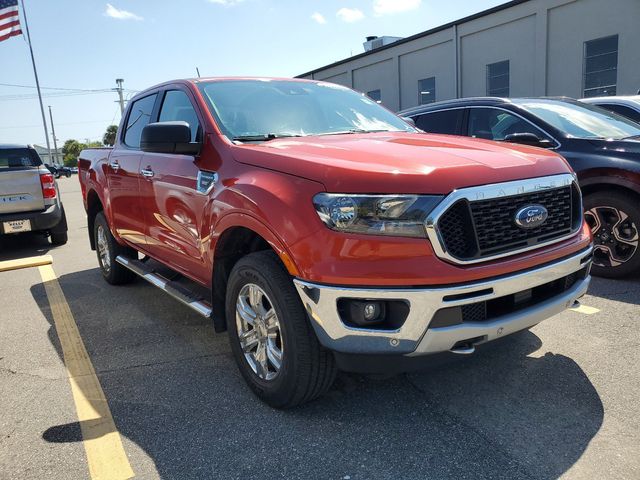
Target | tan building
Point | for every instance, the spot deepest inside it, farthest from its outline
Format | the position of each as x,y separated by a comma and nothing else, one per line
575,48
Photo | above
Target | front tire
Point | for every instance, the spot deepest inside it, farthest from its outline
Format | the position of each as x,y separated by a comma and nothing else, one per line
272,340
108,249
614,219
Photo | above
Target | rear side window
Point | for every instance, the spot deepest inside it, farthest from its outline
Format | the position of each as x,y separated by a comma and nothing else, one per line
19,157
494,124
177,107
445,121
139,117
628,112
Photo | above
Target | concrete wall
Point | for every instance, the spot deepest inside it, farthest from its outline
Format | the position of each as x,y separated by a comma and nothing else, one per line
431,61
481,48
542,39
573,24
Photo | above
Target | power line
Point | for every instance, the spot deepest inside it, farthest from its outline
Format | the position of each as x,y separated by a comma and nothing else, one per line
59,124
66,89
29,96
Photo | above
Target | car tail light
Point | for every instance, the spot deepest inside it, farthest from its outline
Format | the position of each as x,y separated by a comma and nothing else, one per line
48,185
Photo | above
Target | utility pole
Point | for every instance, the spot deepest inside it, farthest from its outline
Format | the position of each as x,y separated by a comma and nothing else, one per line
35,74
55,141
119,82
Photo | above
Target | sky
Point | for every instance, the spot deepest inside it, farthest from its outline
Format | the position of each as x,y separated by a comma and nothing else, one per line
87,44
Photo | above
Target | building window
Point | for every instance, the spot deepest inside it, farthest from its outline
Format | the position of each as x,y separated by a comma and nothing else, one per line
601,67
375,95
427,90
498,79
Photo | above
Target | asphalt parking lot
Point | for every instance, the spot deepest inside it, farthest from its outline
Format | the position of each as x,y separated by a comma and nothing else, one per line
559,401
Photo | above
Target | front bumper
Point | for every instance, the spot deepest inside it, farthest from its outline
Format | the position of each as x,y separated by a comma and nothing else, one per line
415,337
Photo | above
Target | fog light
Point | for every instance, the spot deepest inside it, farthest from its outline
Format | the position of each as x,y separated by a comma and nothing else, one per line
373,314
371,311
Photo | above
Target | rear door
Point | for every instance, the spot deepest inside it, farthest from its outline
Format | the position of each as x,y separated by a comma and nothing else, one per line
123,174
173,207
20,187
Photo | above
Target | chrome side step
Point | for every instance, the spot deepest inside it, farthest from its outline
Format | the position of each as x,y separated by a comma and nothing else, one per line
177,291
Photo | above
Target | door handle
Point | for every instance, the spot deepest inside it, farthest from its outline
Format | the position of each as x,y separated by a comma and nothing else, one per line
115,166
147,172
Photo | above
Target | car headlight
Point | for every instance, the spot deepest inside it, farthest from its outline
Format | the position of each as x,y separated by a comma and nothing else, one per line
397,215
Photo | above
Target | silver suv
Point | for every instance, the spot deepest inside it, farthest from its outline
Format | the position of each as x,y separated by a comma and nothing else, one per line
29,196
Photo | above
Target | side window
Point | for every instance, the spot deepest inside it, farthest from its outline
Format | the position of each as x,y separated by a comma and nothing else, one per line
139,117
494,124
177,107
445,121
628,112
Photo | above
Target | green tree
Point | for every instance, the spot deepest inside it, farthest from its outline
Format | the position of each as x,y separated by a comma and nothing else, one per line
70,151
109,137
72,148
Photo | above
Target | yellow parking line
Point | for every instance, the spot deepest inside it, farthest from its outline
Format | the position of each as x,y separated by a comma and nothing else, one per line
105,454
25,263
585,309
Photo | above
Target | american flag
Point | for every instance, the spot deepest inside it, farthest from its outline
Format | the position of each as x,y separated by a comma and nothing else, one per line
9,19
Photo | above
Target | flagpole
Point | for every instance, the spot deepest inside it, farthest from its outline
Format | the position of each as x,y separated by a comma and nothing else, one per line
35,73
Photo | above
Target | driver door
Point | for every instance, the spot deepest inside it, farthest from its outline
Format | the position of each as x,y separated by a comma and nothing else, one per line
172,205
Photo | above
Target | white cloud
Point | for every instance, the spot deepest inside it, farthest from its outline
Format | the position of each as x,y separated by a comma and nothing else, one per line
318,17
226,3
384,7
113,12
350,15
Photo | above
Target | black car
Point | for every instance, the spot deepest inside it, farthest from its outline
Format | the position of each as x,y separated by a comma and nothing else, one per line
58,171
601,146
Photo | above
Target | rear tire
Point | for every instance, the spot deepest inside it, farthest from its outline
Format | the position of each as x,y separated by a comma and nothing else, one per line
108,249
58,235
280,331
59,238
614,219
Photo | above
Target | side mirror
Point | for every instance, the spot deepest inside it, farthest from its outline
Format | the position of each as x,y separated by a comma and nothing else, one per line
168,137
530,139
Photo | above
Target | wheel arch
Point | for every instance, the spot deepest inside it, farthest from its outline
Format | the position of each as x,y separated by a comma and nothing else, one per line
236,239
94,206
608,183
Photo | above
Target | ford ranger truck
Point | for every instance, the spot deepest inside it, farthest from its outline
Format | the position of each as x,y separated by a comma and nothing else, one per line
324,232
29,196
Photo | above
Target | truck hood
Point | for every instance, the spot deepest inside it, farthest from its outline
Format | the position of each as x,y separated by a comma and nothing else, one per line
400,162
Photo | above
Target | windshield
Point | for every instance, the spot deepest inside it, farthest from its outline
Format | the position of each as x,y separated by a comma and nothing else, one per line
581,120
265,109
18,157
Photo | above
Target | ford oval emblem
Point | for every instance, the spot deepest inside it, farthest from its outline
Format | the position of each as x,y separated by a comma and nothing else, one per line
531,216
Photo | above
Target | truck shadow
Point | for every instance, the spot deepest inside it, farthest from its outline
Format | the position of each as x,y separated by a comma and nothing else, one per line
625,290
174,390
23,245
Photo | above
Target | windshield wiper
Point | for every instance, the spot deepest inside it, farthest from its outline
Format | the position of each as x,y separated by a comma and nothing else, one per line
355,130
264,137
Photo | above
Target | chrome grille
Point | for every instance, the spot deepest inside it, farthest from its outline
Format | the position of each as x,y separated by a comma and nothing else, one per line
478,223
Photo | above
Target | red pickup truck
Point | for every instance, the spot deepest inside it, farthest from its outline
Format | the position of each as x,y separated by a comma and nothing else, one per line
324,232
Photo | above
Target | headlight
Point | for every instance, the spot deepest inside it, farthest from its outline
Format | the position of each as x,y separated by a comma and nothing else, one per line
397,215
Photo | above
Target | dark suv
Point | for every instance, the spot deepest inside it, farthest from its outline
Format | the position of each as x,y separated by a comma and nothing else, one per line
602,147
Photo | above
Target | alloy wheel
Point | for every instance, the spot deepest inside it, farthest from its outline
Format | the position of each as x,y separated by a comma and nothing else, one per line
259,332
103,249
615,236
